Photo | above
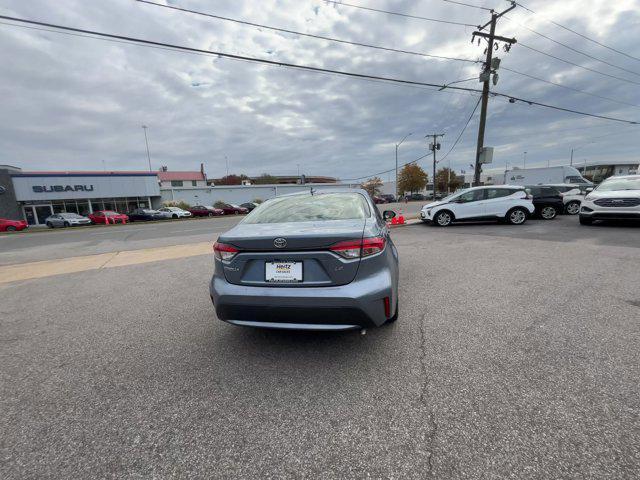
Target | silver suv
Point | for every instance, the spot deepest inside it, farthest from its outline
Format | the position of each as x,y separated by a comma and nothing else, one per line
617,198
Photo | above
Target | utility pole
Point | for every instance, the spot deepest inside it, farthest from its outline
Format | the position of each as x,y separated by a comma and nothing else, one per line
397,146
146,141
490,67
434,146
571,162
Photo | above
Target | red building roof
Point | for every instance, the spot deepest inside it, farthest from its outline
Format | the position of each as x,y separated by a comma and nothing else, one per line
187,176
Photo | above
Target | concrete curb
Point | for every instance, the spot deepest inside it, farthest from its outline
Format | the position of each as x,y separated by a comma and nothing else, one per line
411,221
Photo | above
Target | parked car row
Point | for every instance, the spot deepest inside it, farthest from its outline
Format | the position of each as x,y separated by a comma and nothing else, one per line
617,198
69,219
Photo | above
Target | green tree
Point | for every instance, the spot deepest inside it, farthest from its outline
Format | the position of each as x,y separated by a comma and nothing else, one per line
372,186
412,178
446,177
232,179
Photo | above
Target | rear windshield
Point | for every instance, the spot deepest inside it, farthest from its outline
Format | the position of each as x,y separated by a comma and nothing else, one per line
319,207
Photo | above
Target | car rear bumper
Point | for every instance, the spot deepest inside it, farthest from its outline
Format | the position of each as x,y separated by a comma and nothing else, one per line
359,304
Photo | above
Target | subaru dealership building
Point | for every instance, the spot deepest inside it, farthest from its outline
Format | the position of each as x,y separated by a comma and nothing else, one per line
33,196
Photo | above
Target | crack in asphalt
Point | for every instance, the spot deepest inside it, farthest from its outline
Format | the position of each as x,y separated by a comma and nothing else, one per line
433,425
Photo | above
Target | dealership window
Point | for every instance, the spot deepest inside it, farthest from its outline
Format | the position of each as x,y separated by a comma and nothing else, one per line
83,208
176,183
194,183
97,205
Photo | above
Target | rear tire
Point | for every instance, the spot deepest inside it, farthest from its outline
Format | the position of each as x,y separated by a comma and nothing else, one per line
572,208
516,216
443,218
66,224
11,228
174,216
548,213
49,224
585,220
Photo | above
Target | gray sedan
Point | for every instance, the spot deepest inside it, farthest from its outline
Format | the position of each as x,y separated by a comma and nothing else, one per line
65,219
312,261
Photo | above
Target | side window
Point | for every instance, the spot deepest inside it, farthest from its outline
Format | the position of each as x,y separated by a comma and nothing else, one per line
535,191
549,192
498,193
472,196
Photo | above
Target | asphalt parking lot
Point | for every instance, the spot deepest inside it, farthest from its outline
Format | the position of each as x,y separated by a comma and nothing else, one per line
515,356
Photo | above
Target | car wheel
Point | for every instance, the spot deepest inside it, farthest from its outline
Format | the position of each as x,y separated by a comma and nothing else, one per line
49,224
572,208
11,228
66,224
174,216
443,218
585,220
548,213
395,315
517,216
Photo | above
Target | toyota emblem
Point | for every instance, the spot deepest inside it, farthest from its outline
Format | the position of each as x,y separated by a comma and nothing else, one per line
280,243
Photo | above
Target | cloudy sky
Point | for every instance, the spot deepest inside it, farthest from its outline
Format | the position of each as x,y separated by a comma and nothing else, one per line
70,102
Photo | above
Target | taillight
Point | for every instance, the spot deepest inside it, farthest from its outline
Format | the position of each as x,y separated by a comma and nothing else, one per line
359,248
387,307
371,246
225,252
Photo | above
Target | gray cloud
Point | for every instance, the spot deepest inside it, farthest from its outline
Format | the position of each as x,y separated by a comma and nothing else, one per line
71,102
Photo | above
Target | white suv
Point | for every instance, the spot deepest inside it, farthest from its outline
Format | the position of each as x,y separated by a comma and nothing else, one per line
572,195
616,198
504,202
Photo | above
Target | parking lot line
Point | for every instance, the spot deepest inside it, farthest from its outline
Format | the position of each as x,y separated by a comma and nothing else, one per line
27,271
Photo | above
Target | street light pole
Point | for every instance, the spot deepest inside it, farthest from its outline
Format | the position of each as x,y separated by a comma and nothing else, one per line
397,145
525,160
146,141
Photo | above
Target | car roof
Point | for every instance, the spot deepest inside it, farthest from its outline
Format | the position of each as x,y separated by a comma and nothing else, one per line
513,187
327,191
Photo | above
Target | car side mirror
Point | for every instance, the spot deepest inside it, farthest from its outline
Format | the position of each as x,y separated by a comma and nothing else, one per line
588,189
388,214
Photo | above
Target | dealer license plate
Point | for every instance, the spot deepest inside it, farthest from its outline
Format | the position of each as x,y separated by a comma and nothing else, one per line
283,272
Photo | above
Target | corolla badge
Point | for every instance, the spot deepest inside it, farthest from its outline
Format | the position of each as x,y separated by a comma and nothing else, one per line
280,243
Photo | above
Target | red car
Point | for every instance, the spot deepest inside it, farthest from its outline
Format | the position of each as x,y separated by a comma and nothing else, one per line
203,211
7,225
230,209
101,216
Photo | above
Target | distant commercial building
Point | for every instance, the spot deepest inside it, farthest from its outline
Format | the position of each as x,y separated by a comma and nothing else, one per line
34,195
598,170
181,179
283,180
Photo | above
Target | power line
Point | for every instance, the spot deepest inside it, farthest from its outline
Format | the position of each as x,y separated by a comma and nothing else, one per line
512,98
578,33
406,15
577,65
569,88
294,32
463,130
386,171
572,48
468,5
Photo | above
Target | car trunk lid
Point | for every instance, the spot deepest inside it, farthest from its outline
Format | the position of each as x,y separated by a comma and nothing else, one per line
305,244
